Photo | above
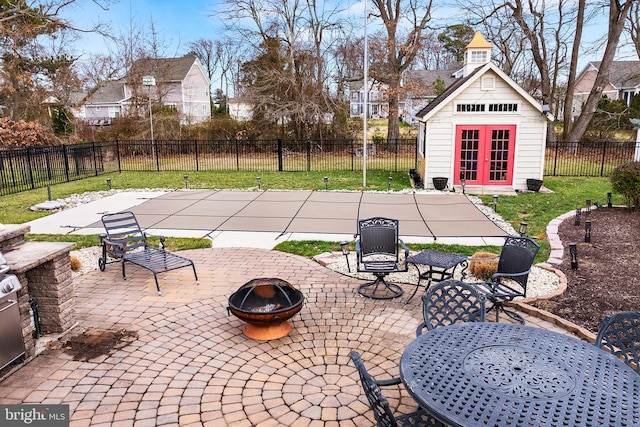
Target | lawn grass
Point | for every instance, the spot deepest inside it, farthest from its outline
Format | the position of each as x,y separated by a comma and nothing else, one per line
537,209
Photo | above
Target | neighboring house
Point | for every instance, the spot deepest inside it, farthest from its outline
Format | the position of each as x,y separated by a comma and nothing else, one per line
179,82
421,87
378,102
75,104
239,109
624,83
483,128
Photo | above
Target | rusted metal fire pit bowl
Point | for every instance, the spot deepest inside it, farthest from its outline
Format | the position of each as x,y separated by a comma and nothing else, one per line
266,305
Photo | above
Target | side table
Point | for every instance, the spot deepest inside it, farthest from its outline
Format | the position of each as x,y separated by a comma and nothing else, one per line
441,266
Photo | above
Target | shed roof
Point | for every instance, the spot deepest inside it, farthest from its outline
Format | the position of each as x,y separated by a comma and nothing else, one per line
479,42
463,82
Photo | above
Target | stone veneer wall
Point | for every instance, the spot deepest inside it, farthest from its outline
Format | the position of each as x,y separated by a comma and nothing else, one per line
44,271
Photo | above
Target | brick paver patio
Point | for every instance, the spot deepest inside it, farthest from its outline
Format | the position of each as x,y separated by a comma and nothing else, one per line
190,364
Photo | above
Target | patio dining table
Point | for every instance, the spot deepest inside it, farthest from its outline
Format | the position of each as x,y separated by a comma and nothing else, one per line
501,374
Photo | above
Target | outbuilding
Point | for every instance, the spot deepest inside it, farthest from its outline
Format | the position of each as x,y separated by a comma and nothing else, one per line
484,132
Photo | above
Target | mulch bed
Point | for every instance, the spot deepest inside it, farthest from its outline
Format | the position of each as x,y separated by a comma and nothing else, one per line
608,276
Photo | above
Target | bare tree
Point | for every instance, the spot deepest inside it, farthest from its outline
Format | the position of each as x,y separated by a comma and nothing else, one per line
401,47
633,26
618,12
290,36
28,63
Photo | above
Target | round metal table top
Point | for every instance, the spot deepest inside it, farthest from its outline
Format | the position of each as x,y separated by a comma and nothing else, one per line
500,374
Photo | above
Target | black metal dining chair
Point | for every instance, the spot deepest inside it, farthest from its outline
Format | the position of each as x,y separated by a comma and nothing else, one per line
619,334
449,302
377,252
380,405
510,281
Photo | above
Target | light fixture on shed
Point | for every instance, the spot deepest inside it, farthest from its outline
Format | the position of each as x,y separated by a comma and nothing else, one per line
545,109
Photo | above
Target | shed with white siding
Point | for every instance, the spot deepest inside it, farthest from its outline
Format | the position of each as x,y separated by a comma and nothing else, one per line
483,131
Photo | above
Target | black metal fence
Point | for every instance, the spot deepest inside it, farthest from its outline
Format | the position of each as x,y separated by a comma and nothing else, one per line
37,167
588,158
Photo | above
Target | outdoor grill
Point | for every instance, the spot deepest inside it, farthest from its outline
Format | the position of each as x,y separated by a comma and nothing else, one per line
266,305
11,341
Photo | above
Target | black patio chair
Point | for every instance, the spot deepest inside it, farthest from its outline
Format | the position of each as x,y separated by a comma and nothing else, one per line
125,241
380,405
510,281
620,335
377,253
449,302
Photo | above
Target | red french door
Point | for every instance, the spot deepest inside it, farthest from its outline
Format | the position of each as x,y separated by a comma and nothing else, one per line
484,154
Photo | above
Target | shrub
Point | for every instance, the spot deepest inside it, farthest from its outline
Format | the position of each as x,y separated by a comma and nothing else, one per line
625,180
483,269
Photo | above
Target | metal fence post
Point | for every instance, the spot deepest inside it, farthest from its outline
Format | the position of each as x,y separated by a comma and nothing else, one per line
195,147
30,168
604,151
280,160
65,153
118,156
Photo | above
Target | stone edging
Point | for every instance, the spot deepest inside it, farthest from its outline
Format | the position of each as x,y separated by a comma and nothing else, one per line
581,332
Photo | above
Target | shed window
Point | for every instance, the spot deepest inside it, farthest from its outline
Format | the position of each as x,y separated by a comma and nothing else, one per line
503,107
478,56
470,108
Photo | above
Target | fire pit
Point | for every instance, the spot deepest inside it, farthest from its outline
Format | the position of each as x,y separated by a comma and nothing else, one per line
266,305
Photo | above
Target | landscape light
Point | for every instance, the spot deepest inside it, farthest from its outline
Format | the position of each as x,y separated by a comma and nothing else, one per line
588,206
389,180
259,182
587,231
186,181
609,204
326,182
345,251
523,228
109,183
573,253
578,215
495,202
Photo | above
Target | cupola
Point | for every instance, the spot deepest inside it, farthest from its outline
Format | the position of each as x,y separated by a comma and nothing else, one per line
476,53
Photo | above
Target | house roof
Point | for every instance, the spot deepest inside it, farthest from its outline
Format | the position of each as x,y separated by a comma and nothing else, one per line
446,94
624,74
426,78
109,93
164,69
464,82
